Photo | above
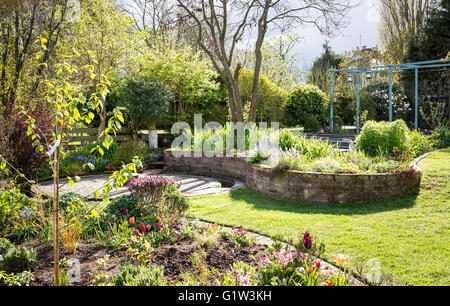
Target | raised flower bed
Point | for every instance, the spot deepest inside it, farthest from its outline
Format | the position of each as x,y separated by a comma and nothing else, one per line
299,186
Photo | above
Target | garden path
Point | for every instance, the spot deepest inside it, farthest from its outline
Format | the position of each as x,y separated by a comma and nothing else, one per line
191,185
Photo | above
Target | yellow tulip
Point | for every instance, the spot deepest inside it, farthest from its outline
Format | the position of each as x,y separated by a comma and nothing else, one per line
340,259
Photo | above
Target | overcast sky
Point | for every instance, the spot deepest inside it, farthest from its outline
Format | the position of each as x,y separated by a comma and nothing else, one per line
361,30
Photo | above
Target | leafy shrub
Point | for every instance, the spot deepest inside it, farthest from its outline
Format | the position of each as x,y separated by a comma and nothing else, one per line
22,279
380,138
442,136
146,100
271,98
129,149
75,162
306,100
418,144
68,199
5,246
121,208
375,100
174,205
149,191
16,144
311,124
140,276
17,214
18,260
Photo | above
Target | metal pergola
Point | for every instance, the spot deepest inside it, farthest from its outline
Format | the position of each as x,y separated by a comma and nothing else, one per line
390,68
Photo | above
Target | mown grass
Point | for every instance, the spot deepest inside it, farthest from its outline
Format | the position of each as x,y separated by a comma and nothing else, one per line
408,235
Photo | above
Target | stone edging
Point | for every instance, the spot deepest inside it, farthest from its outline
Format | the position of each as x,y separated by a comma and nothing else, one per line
308,187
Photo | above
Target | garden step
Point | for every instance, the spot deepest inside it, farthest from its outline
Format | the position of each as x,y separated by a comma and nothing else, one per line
156,165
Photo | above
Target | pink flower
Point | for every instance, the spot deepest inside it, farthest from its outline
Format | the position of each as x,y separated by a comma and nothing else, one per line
149,227
244,281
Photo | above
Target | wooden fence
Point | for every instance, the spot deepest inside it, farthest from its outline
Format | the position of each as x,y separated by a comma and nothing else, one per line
81,135
91,134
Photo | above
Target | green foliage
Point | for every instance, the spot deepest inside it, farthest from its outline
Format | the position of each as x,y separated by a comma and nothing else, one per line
241,274
145,99
18,260
17,214
319,76
442,136
127,150
75,163
5,246
21,279
195,85
174,206
311,124
375,100
306,100
310,148
381,137
140,276
115,212
418,144
68,199
271,98
202,273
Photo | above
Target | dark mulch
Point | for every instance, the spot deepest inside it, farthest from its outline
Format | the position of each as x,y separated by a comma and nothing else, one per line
174,258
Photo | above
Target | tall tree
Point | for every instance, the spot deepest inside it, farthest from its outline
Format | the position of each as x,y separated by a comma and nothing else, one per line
279,59
431,42
222,25
106,32
399,19
327,60
22,23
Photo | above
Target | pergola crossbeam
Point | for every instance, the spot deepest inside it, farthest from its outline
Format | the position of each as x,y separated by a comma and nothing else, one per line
386,68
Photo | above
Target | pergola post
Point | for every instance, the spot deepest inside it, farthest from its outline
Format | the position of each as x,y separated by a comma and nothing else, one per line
331,101
357,103
390,95
416,98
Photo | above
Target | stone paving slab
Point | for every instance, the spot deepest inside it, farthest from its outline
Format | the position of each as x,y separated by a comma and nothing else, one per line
191,185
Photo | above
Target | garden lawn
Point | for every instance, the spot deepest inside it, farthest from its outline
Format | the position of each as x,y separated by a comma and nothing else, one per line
409,235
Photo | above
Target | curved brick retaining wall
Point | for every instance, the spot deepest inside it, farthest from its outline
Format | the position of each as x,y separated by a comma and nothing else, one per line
299,186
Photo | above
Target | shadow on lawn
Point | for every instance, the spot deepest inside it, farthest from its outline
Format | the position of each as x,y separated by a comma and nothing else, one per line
263,202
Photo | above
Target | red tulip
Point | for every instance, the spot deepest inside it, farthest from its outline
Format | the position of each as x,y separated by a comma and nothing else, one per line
136,232
143,227
318,265
158,226
330,284
149,227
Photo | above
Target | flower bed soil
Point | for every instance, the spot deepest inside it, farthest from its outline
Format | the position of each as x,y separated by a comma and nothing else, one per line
174,258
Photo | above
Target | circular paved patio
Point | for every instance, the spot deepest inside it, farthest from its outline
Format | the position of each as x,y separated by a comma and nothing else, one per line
191,185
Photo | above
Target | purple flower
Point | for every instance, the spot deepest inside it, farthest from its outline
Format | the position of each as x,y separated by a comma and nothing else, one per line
124,211
26,213
307,241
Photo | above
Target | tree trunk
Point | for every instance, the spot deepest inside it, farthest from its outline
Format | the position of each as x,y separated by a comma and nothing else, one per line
56,217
